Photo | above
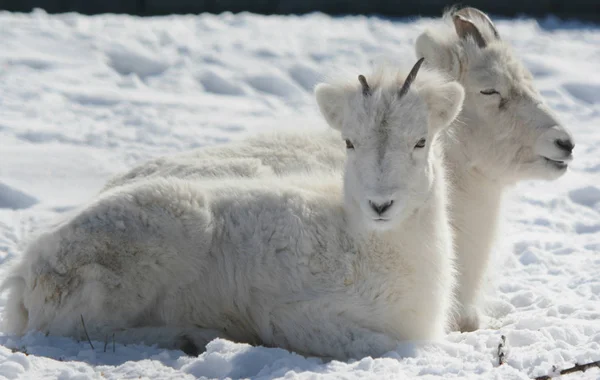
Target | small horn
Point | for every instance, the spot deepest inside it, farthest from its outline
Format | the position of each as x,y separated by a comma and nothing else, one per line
365,86
410,78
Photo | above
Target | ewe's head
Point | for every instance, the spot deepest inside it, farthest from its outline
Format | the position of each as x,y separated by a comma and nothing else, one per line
389,122
510,134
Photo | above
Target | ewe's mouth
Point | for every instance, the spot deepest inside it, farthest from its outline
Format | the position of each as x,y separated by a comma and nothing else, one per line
557,163
380,220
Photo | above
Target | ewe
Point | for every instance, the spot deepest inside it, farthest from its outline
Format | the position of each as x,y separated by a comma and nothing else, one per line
302,262
505,134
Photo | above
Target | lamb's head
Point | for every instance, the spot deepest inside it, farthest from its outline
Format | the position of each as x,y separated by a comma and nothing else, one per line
509,133
389,122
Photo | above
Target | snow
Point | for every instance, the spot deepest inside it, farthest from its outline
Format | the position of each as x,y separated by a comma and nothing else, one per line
83,98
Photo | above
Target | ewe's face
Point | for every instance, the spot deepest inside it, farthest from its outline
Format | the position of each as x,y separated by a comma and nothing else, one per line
387,172
511,134
516,136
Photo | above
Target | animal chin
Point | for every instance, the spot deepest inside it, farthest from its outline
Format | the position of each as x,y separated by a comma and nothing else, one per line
558,164
380,224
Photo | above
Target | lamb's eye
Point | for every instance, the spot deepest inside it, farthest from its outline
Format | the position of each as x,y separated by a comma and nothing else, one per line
349,144
490,91
420,143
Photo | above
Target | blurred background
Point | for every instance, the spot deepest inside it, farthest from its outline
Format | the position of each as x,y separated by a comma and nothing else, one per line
579,9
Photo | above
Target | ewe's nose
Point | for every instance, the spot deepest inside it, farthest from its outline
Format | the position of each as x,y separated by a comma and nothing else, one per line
380,208
566,145
555,143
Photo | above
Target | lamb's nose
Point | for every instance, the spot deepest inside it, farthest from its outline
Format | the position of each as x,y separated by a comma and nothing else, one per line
566,145
380,208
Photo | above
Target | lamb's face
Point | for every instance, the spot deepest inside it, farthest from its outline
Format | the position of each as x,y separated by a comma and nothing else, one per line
387,173
388,136
516,136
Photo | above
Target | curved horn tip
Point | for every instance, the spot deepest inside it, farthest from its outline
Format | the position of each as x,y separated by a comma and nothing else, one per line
469,13
456,18
365,86
465,27
411,77
413,72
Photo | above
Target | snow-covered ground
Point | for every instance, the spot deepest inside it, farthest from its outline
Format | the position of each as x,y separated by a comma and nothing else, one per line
82,98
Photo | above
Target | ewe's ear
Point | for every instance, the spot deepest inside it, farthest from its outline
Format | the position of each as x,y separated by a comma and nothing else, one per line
438,53
331,103
444,103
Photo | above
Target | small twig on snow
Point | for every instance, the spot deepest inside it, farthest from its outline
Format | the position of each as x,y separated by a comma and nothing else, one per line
501,354
105,342
86,333
575,368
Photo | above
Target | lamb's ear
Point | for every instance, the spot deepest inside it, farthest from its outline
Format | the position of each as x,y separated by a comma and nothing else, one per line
444,103
438,53
331,104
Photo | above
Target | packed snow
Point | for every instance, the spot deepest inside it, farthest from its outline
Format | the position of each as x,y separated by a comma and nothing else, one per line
83,98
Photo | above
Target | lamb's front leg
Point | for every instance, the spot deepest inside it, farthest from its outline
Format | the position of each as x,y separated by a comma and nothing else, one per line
317,331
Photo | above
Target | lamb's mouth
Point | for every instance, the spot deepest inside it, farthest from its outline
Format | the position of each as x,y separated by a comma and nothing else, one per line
557,163
380,220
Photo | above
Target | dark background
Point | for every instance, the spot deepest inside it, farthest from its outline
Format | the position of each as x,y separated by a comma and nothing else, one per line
566,9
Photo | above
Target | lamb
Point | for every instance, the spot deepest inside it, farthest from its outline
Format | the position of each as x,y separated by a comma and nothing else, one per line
338,268
505,134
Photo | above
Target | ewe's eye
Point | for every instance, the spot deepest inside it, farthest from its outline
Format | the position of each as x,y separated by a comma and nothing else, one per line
490,91
420,144
349,144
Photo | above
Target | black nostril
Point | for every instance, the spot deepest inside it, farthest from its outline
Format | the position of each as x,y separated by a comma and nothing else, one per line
565,145
381,208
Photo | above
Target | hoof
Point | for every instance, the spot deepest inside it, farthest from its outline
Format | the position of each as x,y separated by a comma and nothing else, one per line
468,319
188,347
